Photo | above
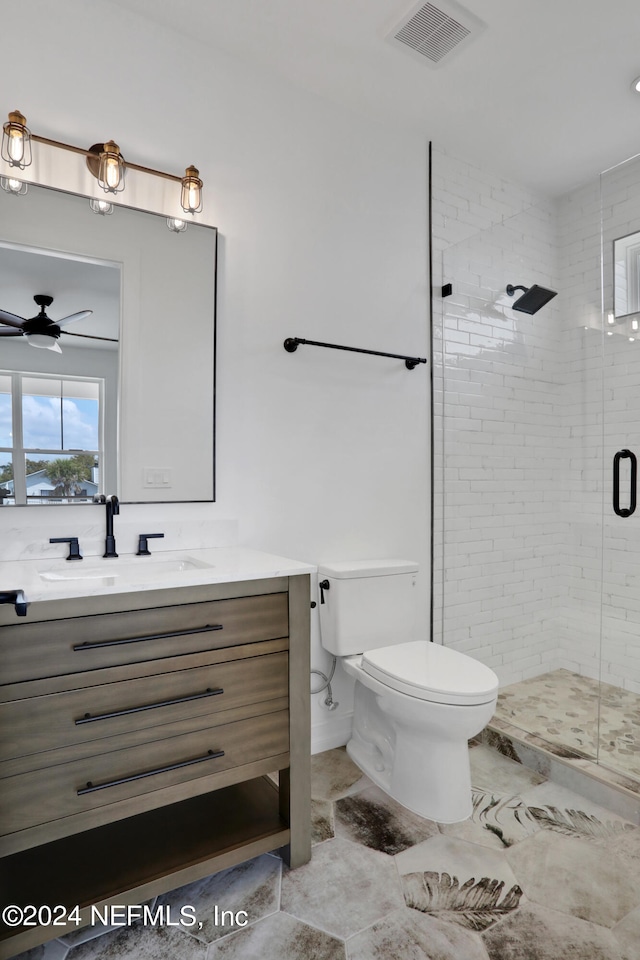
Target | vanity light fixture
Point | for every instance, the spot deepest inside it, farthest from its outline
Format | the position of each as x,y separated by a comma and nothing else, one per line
191,197
104,161
11,185
107,165
176,225
102,207
112,168
16,141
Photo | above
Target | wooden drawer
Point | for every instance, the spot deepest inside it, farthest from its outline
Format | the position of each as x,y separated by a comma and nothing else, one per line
84,785
44,723
56,647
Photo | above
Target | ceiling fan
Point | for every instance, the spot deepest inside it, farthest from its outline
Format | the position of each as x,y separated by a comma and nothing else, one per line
41,331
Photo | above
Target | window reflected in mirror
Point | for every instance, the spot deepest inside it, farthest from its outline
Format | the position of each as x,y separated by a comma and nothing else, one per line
51,453
58,404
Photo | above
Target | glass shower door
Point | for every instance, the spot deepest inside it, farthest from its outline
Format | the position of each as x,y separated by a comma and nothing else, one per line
619,727
513,456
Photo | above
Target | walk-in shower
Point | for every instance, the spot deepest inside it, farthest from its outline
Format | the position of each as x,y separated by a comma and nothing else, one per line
535,571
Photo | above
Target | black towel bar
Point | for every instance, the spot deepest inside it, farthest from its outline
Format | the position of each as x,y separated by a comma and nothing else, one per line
291,345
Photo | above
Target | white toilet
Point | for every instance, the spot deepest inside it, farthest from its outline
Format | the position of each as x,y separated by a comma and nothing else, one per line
417,703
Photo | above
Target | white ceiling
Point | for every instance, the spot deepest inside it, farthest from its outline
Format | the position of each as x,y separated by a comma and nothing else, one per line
74,285
542,95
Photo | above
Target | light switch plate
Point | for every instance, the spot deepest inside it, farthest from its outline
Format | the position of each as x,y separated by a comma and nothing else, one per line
157,477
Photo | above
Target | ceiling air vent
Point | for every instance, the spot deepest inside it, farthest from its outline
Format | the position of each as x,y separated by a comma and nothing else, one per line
432,32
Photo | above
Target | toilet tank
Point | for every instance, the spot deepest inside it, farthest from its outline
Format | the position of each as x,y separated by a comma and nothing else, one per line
368,604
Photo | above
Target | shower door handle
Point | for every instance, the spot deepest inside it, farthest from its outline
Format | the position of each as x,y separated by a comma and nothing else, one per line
624,455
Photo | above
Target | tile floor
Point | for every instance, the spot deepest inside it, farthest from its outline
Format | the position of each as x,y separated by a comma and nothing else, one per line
537,873
578,714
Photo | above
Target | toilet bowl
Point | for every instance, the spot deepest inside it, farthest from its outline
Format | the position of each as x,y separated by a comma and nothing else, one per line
416,703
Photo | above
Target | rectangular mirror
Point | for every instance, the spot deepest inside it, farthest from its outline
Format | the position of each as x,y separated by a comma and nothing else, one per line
124,402
626,275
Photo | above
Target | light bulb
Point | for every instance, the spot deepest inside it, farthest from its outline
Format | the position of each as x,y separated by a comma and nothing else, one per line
611,318
631,339
15,146
176,225
634,324
609,333
112,173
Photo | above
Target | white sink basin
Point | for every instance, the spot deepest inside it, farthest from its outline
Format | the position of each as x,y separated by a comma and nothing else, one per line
136,570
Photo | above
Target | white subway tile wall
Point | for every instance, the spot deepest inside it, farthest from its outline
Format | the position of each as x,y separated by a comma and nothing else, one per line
521,466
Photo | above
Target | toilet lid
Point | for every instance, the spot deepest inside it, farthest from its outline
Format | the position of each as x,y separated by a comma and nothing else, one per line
430,671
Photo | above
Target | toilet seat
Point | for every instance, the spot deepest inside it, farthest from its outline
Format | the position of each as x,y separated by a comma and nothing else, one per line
429,671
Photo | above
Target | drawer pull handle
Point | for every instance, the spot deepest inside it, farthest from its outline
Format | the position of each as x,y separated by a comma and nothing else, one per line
90,718
91,787
155,636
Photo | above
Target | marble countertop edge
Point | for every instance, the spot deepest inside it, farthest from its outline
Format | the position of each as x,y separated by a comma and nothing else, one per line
59,579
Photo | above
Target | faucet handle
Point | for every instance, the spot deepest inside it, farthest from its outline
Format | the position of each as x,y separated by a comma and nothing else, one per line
74,546
17,598
143,546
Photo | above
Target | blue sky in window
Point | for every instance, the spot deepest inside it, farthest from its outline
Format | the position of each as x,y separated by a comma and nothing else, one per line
41,423
5,420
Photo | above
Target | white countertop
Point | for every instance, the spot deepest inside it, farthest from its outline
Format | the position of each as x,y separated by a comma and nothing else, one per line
60,579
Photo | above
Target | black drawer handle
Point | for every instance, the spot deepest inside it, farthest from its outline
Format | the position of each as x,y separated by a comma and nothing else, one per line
91,787
155,636
90,718
624,455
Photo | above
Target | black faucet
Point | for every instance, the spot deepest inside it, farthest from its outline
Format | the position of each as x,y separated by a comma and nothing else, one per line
74,546
113,507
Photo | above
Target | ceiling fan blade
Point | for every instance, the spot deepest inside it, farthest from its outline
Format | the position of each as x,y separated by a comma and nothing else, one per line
73,317
10,332
11,319
89,336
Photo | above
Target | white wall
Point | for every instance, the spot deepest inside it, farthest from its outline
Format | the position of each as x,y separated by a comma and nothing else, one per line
323,225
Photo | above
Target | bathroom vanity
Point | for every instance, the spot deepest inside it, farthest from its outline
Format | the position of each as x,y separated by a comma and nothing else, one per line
154,727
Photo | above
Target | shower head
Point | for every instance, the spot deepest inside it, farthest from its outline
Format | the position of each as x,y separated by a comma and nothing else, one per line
532,299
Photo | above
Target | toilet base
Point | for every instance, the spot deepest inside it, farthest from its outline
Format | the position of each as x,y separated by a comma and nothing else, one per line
422,762
447,804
